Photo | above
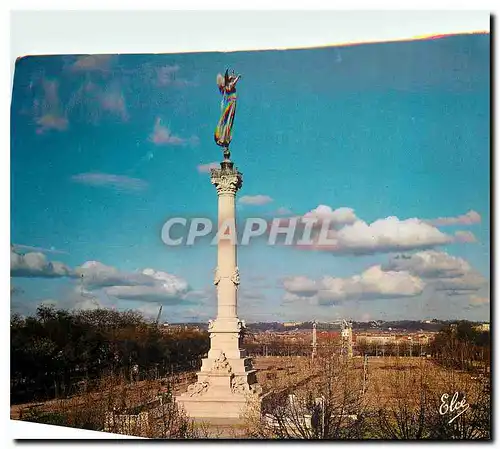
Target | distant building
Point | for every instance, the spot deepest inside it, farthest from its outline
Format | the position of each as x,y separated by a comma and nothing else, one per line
292,324
483,327
376,339
386,339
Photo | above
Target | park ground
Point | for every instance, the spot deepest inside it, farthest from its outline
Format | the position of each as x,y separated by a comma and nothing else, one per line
285,374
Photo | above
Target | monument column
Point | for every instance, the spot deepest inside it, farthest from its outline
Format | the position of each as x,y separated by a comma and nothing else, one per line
225,330
227,181
227,382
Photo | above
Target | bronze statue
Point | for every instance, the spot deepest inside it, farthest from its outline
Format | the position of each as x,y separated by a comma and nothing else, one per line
227,87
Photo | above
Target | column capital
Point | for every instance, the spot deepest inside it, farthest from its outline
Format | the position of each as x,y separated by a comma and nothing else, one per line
226,179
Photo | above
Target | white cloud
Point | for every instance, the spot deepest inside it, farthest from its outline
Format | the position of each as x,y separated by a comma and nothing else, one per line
87,303
148,285
374,283
301,286
157,293
113,101
36,265
150,311
51,121
384,235
465,237
47,109
282,211
161,135
91,100
324,215
450,274
95,274
470,218
479,301
168,76
429,264
92,63
38,249
205,168
294,298
342,215
255,200
49,302
117,182
469,281
83,297
340,231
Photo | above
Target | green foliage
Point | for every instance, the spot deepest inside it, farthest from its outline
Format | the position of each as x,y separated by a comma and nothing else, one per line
55,349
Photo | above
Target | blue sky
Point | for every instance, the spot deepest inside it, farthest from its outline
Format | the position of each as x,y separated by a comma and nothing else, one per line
106,148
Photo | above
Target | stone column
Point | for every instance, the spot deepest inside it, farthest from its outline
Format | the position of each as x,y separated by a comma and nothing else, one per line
227,383
225,330
227,180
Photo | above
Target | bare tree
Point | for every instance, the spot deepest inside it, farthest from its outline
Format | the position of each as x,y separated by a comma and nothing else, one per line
327,404
413,409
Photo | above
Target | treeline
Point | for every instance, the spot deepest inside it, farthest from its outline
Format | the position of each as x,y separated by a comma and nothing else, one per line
276,347
409,325
402,348
284,346
58,352
462,346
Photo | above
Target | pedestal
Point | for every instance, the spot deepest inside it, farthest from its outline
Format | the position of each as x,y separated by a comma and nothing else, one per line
227,384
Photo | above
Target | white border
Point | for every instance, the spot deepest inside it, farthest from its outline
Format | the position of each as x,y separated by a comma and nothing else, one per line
179,31
87,32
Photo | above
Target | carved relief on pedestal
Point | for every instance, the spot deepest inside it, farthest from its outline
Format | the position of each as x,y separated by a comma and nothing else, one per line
239,385
235,278
197,389
256,389
221,364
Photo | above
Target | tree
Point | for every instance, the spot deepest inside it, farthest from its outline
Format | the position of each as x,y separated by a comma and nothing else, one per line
326,404
412,410
54,350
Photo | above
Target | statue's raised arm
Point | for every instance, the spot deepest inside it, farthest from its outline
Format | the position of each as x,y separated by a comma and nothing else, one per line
227,87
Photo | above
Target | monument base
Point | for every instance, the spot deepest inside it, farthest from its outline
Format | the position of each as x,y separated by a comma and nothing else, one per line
226,388
233,406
